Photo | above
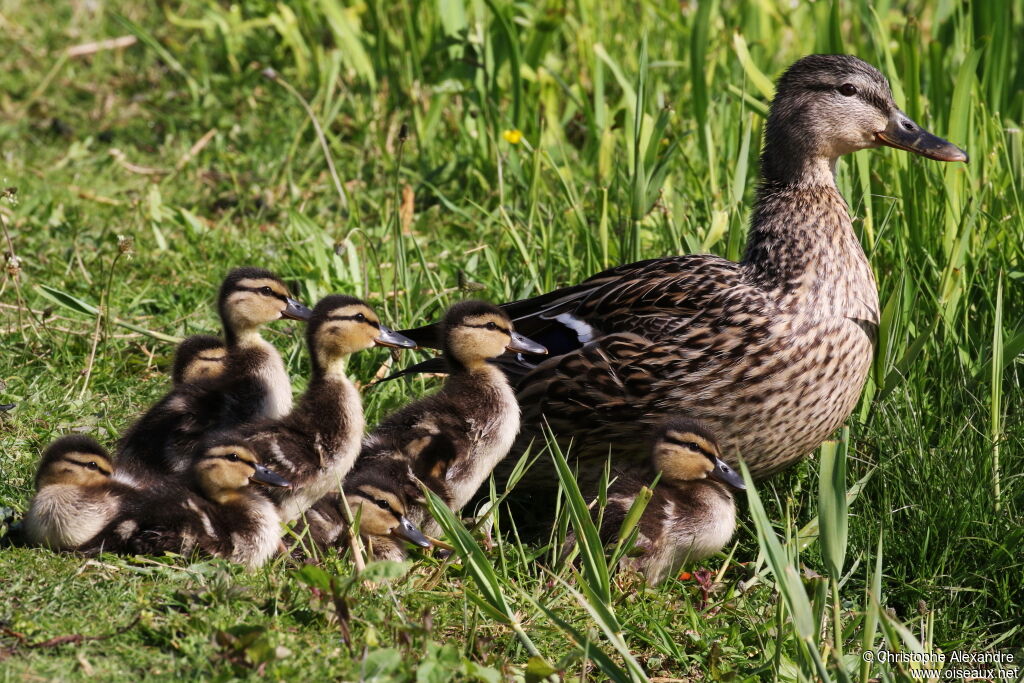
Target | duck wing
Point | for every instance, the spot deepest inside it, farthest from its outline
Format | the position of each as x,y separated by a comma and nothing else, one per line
656,298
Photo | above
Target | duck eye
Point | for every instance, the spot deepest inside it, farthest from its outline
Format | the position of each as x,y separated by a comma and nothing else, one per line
232,457
848,89
381,503
492,326
360,317
266,290
93,466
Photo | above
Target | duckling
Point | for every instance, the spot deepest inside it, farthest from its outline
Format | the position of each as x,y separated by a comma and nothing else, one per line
691,514
199,357
316,444
75,497
227,518
383,497
469,425
253,384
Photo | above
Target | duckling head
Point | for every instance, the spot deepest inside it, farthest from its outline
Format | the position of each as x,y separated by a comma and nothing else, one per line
384,493
251,297
686,450
75,460
829,105
475,331
226,465
342,325
199,357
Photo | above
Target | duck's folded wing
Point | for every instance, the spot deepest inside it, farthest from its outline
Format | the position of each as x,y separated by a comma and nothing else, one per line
653,298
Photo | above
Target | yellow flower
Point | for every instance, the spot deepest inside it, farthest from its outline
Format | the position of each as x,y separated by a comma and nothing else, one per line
513,136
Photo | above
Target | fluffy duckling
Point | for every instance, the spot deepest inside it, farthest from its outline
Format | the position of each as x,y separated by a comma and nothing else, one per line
383,497
469,425
316,444
75,497
228,518
199,357
691,514
253,384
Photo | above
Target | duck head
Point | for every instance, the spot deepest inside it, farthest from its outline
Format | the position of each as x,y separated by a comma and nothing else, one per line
251,297
342,325
226,465
475,331
199,357
74,460
829,105
384,493
686,450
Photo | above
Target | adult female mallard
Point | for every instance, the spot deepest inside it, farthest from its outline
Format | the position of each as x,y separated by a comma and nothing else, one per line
770,352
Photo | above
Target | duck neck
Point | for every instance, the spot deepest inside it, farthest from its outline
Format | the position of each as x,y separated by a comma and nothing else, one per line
332,401
465,367
801,247
242,337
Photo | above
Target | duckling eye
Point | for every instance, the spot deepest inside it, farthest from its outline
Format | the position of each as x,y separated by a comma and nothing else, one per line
360,317
492,326
381,503
93,466
848,89
266,290
232,457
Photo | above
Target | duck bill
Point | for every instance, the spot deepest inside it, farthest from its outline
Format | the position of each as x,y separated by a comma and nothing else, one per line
727,475
264,476
521,344
902,133
392,339
407,531
296,310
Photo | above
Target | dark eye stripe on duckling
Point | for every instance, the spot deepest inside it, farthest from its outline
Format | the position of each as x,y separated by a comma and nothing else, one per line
373,499
92,465
262,290
487,324
687,440
358,317
232,453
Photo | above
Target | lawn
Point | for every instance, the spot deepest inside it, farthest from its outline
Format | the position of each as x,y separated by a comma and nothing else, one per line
419,153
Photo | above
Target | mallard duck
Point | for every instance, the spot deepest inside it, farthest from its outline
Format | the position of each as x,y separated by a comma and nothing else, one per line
771,352
253,384
315,445
691,514
384,498
219,514
198,357
468,426
75,497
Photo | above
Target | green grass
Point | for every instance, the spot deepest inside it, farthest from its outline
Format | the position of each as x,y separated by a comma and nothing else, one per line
626,153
